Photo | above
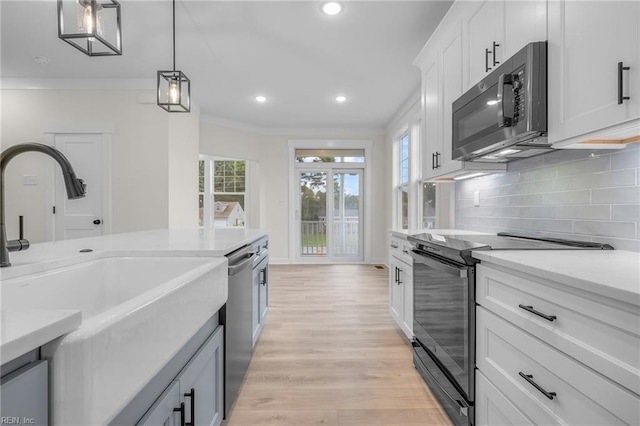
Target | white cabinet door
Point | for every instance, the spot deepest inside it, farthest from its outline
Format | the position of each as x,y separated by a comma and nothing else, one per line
165,410
524,22
587,40
25,395
483,24
201,383
255,305
493,408
450,86
431,123
395,290
407,314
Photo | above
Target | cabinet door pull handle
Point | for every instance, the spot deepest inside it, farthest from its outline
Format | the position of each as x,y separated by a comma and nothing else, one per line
393,245
487,68
433,161
181,411
621,69
529,378
538,313
399,272
437,160
405,251
192,395
494,53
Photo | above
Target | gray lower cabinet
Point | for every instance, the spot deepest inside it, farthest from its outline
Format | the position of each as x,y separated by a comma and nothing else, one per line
25,397
196,396
260,305
163,412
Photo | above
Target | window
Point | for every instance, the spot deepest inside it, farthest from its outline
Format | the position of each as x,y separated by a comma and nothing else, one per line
428,205
222,193
402,192
329,155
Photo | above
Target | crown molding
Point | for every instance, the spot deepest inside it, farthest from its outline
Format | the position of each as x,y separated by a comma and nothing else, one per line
77,84
330,132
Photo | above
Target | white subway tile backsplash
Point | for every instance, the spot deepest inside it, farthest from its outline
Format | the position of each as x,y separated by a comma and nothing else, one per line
627,194
605,229
626,212
582,196
576,194
596,180
627,158
588,165
602,212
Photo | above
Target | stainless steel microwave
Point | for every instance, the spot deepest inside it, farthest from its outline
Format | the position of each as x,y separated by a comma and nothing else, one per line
504,116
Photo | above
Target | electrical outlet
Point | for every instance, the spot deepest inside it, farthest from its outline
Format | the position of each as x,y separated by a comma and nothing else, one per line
29,180
476,198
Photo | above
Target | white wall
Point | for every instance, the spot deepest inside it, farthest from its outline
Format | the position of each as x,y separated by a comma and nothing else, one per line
271,153
148,151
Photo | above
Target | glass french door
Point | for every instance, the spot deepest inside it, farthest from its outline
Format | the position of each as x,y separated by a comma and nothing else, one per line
329,215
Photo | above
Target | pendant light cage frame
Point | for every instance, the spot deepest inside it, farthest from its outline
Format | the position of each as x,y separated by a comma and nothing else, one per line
176,81
182,103
92,43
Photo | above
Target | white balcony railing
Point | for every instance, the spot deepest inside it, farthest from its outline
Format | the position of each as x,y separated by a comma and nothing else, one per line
346,237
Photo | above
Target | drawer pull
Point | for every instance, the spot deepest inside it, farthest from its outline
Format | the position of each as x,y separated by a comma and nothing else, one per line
540,314
405,251
529,378
393,245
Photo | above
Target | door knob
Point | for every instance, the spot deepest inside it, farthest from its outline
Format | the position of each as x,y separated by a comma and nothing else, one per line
97,222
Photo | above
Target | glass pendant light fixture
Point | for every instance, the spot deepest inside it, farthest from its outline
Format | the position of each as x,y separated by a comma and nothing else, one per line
174,88
91,26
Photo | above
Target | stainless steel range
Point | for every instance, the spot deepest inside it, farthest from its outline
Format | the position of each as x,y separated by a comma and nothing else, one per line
444,309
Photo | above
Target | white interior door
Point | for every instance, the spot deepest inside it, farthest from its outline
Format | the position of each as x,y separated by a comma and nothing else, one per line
88,153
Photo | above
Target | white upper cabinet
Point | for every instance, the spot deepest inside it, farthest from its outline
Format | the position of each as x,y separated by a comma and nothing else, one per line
587,91
524,22
483,36
451,83
496,29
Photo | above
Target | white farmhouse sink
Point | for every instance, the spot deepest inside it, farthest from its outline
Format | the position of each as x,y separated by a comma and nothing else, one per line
137,312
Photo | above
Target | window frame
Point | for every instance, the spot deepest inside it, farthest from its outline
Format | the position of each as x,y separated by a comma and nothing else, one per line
402,186
208,217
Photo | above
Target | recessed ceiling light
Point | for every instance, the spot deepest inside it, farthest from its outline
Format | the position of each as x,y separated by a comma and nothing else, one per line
332,8
341,99
261,99
42,60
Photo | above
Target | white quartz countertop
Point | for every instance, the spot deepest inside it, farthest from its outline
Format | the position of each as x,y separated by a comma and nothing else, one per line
610,273
178,242
24,331
402,233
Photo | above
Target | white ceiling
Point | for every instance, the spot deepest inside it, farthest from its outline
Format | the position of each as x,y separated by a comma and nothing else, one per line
233,50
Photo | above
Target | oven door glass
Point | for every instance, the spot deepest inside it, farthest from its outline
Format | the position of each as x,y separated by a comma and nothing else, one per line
443,315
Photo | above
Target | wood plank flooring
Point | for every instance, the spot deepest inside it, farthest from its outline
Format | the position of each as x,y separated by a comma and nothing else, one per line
331,354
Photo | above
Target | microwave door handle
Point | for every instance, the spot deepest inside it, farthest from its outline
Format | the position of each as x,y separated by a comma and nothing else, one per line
502,81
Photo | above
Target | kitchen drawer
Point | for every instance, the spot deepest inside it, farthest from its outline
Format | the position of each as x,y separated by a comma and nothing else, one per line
400,249
582,396
601,333
493,408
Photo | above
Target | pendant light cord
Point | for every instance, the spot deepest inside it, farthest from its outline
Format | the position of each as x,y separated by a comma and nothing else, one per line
174,35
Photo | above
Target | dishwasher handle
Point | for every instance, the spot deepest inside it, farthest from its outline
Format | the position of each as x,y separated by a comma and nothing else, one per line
240,261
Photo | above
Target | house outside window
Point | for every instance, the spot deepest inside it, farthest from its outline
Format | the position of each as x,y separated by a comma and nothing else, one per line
222,192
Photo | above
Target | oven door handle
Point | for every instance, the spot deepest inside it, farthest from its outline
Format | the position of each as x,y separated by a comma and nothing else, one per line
438,265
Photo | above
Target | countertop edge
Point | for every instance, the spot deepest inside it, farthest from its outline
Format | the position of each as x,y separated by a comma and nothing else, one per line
545,271
36,336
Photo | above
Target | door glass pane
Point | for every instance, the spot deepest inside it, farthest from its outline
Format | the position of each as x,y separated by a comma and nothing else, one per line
313,214
346,214
428,205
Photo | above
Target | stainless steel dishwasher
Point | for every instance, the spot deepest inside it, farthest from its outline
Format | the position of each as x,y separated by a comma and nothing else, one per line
236,315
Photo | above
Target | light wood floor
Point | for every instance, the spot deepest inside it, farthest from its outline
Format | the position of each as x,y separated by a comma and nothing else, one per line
331,354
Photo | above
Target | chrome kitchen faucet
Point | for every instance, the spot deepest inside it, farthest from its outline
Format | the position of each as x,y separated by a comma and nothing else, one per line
75,189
